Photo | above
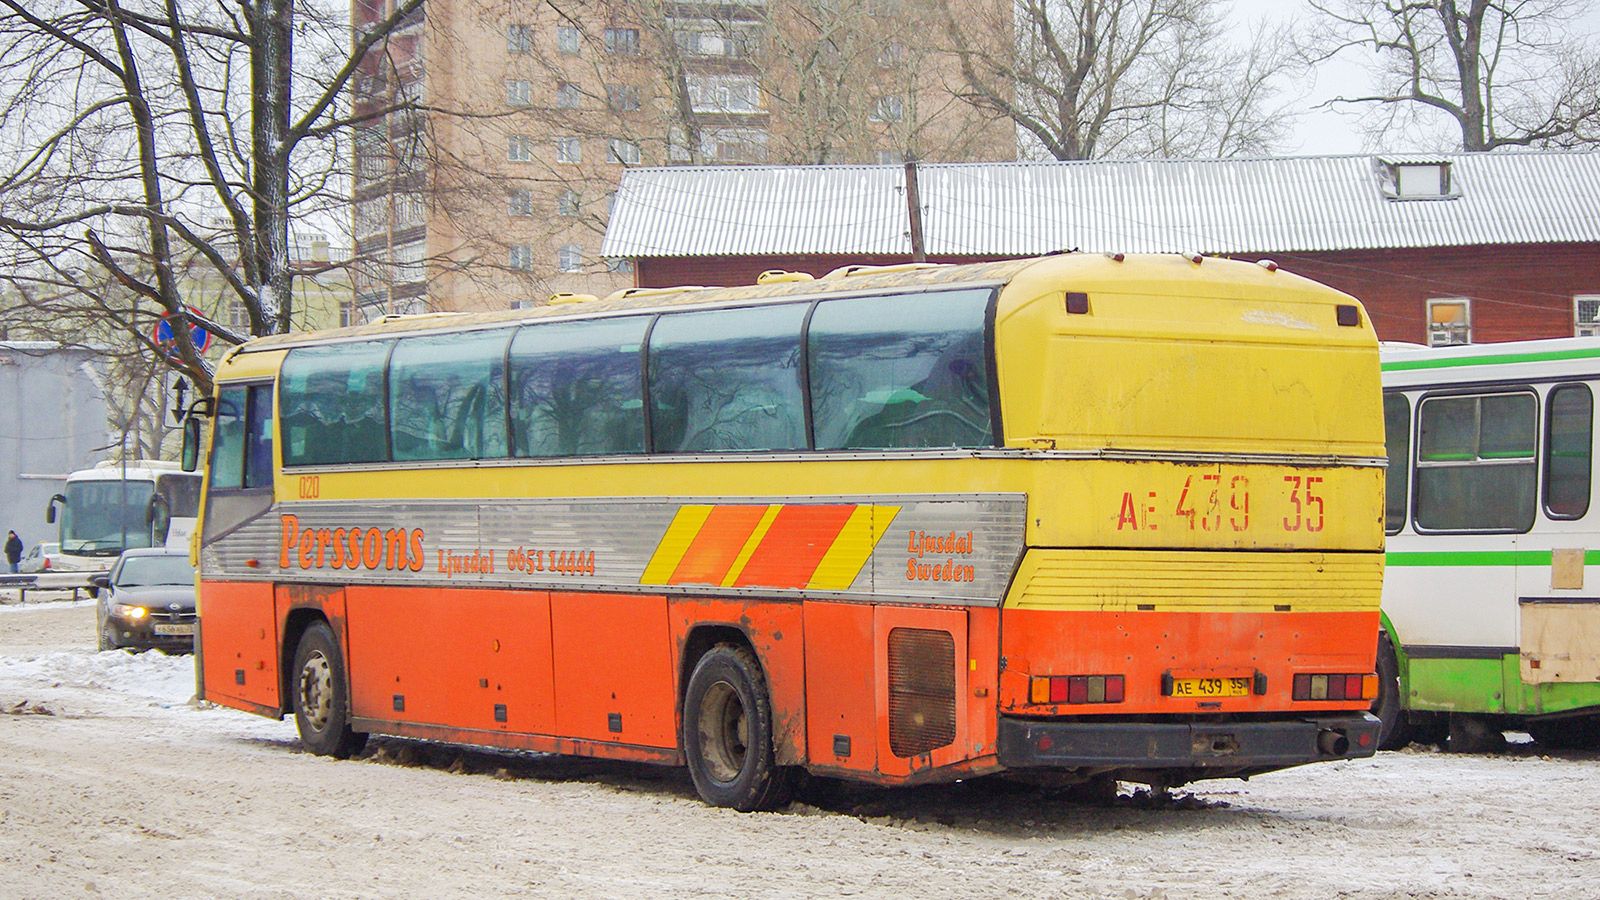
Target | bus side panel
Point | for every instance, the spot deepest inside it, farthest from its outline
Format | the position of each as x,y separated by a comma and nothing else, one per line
921,690
239,645
614,680
841,712
456,657
777,633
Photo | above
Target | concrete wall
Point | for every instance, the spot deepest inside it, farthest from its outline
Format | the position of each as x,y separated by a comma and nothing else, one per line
52,421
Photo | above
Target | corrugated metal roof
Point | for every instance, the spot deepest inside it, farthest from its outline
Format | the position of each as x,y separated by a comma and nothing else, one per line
1153,206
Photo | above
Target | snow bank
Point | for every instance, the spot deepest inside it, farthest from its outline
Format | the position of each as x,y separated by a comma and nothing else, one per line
154,675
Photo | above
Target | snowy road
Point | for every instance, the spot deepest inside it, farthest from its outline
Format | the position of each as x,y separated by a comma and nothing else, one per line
112,784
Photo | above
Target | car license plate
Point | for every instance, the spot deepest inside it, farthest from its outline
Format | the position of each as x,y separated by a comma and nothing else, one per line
183,629
1211,687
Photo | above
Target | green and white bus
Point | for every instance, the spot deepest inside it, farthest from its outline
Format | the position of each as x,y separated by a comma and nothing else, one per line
1491,599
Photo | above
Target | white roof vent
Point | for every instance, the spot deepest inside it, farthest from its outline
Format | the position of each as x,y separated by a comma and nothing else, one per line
1416,180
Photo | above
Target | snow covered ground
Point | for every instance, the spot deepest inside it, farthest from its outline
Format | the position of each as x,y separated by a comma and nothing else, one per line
113,783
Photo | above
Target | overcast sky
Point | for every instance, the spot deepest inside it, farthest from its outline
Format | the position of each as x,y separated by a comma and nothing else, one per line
1324,131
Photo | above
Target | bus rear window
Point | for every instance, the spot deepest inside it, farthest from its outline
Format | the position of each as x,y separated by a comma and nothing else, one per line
901,371
332,404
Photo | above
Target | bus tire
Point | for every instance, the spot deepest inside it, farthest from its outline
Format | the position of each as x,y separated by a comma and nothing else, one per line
727,734
319,695
1388,706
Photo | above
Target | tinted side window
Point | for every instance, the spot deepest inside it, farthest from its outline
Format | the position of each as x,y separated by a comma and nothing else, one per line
333,404
901,371
447,396
727,380
258,438
1475,462
1397,439
575,388
1568,451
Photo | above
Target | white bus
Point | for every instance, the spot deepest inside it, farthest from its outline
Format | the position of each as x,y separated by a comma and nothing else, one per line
1491,613
115,507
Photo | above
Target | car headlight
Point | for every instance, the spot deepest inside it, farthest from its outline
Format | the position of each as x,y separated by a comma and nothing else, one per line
124,611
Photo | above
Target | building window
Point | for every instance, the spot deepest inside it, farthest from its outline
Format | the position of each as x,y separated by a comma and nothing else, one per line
408,265
519,38
521,257
568,203
347,313
618,266
622,41
570,258
888,109
519,148
1449,322
1586,315
372,216
622,97
569,150
519,93
567,39
520,201
625,152
567,96
724,93
238,316
409,210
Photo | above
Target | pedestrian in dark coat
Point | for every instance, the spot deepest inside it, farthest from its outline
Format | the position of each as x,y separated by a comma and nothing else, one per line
13,550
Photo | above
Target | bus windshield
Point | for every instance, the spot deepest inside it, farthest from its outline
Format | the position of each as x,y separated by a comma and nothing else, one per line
104,518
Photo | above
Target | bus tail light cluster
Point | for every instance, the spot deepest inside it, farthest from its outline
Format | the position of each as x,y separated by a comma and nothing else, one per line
1335,687
1076,689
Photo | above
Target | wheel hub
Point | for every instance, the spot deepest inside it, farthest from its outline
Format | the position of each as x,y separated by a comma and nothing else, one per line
316,691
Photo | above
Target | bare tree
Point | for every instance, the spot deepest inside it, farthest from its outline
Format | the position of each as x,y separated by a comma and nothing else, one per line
150,138
1086,79
1501,73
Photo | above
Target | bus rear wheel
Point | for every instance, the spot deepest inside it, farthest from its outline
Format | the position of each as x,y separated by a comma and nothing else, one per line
321,707
727,733
1389,707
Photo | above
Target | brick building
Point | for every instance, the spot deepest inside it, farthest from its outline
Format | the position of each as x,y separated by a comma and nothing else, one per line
1452,248
495,190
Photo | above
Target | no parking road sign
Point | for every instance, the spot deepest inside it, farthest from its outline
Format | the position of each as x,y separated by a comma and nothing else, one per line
164,334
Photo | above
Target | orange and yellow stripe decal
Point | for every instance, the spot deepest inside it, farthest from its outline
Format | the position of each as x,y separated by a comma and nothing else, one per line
820,547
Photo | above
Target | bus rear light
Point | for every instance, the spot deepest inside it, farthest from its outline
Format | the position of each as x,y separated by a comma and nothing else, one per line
1335,687
1077,689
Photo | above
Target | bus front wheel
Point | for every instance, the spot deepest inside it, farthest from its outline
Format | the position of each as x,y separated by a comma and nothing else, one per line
1389,706
321,707
727,733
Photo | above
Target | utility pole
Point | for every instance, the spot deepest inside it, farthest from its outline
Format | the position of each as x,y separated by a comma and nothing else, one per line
914,211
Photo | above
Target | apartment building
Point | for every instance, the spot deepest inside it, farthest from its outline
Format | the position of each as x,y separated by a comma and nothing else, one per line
506,126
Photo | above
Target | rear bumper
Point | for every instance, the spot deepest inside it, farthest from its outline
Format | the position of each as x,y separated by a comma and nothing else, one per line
1057,743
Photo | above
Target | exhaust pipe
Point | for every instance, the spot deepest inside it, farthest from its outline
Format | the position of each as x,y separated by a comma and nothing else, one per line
1332,743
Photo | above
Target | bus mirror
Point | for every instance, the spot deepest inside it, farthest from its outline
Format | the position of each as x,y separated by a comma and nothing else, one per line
50,511
191,444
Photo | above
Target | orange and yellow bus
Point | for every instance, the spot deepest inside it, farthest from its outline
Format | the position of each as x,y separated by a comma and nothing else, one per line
1105,517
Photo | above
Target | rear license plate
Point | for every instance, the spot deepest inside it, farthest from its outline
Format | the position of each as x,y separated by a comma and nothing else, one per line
183,629
1211,687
